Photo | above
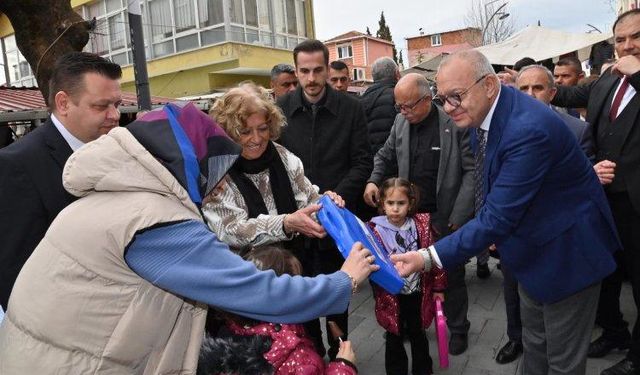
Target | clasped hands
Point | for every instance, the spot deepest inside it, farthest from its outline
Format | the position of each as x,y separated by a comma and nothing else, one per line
303,221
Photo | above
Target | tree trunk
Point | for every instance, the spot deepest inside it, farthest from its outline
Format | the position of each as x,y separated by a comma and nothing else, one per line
44,31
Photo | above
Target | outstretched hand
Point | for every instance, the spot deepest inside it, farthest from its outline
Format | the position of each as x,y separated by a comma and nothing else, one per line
302,222
408,263
359,264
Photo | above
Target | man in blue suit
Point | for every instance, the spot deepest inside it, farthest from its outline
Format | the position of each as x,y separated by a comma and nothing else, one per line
541,204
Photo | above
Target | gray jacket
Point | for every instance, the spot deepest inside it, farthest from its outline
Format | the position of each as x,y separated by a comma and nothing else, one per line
454,185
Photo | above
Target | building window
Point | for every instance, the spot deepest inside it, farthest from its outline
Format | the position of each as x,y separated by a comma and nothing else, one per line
184,14
210,12
20,73
436,40
345,51
358,74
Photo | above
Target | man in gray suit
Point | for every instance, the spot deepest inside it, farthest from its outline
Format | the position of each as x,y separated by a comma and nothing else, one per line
426,148
538,81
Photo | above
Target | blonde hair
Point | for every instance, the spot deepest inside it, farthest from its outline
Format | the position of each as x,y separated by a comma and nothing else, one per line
233,109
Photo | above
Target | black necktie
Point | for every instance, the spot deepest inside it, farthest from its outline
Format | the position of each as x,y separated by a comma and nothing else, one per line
479,167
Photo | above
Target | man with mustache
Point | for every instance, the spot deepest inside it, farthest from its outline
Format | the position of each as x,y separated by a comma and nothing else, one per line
327,130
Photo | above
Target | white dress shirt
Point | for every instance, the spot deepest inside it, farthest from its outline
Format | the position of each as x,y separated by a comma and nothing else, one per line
73,142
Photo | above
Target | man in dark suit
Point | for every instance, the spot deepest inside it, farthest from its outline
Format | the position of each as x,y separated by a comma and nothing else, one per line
426,148
84,96
327,130
613,107
541,205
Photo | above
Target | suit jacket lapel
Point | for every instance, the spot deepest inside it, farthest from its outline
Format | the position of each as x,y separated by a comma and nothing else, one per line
58,146
498,122
626,119
445,125
602,102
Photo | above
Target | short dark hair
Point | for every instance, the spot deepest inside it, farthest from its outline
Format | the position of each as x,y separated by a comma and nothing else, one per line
338,65
281,68
69,70
308,46
629,13
571,61
525,61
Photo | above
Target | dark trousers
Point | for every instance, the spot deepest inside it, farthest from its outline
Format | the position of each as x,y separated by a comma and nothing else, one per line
395,356
512,305
325,261
456,302
627,221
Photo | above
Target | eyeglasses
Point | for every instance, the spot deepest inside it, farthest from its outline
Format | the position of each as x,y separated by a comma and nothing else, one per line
409,107
455,100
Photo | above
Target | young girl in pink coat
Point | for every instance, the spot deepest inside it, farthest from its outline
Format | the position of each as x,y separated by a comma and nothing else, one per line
409,313
248,347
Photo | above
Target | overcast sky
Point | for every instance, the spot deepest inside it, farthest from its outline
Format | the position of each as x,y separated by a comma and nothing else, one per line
405,17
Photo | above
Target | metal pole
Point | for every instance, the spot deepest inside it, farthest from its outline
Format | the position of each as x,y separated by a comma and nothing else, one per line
486,26
5,64
139,58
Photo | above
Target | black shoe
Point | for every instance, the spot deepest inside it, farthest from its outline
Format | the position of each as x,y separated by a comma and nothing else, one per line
509,352
458,343
602,346
483,271
624,367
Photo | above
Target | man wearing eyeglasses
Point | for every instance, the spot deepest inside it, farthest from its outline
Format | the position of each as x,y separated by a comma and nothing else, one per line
426,148
541,204
339,78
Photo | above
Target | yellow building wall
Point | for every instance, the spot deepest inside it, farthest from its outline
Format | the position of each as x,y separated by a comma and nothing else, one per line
5,26
203,71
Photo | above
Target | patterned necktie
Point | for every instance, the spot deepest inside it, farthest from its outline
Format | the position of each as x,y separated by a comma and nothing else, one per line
479,167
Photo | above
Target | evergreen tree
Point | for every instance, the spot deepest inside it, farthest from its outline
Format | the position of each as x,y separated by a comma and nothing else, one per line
368,31
385,33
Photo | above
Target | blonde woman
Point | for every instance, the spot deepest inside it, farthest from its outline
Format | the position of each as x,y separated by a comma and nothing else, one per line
268,199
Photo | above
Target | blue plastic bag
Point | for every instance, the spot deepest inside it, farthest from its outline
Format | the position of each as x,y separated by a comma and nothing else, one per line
346,229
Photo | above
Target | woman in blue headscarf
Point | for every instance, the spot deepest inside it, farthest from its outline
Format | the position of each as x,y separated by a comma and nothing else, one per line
122,279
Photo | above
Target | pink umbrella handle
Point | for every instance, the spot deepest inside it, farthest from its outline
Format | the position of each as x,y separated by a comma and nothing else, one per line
441,333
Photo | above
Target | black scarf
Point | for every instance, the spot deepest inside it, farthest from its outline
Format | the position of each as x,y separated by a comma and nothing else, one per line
278,179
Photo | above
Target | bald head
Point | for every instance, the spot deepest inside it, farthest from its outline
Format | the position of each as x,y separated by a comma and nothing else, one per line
413,97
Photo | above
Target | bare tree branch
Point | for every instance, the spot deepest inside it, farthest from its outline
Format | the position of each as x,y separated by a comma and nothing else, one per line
497,29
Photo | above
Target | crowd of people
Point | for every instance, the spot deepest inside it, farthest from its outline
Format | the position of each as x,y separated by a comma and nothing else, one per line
188,242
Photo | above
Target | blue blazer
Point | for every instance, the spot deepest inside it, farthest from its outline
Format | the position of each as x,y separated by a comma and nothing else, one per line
544,207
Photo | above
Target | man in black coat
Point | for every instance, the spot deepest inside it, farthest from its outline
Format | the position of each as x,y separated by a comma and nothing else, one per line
327,130
84,98
379,103
613,107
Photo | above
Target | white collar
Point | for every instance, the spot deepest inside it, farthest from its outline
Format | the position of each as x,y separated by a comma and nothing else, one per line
486,123
73,142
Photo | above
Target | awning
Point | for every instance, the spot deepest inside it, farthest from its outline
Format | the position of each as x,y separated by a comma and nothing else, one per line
27,103
541,43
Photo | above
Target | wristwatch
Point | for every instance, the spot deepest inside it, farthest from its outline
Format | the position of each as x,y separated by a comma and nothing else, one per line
428,259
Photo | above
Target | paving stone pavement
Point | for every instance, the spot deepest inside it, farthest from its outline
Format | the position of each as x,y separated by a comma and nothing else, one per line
486,336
